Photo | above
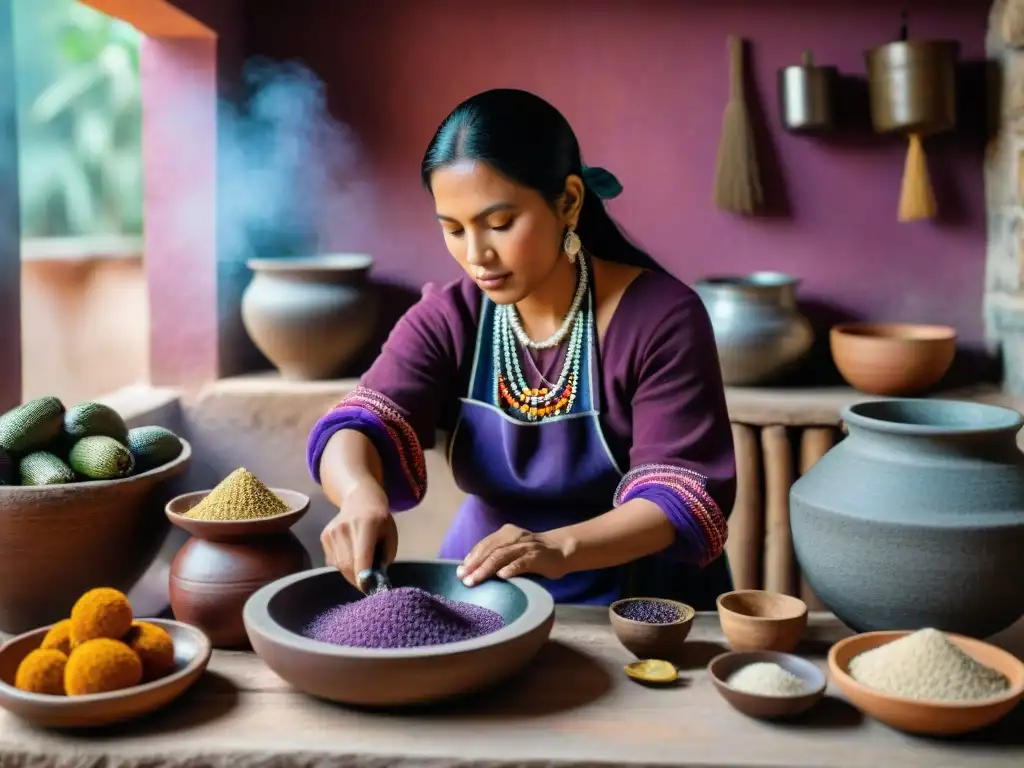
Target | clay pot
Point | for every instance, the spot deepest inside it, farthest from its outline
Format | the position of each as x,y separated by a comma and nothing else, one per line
652,641
757,620
225,562
892,358
916,519
58,541
310,316
760,333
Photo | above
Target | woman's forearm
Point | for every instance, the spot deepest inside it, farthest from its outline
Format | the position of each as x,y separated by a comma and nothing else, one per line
349,461
629,532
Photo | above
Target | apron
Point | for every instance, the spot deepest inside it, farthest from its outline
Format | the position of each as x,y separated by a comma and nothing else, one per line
548,474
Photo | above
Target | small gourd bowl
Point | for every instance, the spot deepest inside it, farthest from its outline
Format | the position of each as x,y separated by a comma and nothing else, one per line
232,530
757,620
765,706
192,651
652,641
922,716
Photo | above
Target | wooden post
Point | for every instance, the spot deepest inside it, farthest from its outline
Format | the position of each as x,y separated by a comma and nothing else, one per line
10,221
779,568
814,443
746,523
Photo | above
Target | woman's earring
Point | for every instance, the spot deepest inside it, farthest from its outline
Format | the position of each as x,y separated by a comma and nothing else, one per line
572,246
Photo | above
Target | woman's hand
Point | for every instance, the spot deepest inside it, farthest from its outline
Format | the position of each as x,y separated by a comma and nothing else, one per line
512,551
352,535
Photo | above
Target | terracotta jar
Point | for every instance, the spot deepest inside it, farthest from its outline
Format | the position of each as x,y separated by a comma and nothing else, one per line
211,580
310,316
916,518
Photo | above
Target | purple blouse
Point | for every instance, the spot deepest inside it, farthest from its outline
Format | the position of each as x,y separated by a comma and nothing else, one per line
663,410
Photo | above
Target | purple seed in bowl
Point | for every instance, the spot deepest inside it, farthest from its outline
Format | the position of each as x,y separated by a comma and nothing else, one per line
404,617
649,611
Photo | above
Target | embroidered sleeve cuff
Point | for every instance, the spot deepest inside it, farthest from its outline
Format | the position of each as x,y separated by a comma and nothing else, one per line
701,528
377,417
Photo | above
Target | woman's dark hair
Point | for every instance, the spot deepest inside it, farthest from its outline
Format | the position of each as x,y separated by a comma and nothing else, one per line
530,142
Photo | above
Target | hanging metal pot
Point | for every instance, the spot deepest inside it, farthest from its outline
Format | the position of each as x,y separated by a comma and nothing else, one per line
912,84
807,96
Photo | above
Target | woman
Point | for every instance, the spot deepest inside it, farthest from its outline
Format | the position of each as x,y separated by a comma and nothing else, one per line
578,382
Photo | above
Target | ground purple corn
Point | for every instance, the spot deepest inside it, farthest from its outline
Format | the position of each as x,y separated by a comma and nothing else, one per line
649,611
404,617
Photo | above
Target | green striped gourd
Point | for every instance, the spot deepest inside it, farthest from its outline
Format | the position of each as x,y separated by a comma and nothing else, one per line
44,468
153,447
95,419
31,426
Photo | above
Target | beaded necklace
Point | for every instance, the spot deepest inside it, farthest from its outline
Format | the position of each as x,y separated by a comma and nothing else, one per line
511,389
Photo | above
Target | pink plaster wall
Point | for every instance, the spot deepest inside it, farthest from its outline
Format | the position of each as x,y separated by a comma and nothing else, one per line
644,84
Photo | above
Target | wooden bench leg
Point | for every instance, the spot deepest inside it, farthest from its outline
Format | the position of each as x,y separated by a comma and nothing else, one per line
779,561
746,523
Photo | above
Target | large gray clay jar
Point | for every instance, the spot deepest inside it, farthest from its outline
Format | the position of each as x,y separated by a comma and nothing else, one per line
310,316
760,333
916,518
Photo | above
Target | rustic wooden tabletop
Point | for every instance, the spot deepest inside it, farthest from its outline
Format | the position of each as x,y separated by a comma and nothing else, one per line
574,706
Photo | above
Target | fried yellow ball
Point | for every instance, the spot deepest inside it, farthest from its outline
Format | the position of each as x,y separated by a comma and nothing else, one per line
59,637
101,665
154,647
100,612
42,671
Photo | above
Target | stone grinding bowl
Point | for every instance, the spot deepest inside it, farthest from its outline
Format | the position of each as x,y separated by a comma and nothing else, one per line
652,641
763,706
59,541
192,652
923,716
758,620
233,530
394,677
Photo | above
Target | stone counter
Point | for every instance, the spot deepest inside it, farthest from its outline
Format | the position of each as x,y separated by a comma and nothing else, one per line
573,707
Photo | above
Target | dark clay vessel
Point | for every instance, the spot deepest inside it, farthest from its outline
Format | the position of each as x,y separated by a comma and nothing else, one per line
916,519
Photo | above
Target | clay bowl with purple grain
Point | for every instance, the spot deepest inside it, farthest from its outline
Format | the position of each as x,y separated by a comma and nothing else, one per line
892,359
652,641
923,716
766,706
758,620
191,655
234,530
386,678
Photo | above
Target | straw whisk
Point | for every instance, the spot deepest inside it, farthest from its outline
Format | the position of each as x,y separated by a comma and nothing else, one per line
737,173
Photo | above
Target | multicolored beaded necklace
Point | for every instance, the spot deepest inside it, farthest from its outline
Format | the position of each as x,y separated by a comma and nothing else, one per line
511,389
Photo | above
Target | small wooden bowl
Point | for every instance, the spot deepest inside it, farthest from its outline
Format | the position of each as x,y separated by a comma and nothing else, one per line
652,641
767,707
232,530
892,358
756,620
191,655
925,717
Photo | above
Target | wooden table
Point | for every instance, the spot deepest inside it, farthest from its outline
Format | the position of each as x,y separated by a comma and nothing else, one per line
572,707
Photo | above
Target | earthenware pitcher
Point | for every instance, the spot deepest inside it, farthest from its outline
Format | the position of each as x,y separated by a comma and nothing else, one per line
916,518
760,333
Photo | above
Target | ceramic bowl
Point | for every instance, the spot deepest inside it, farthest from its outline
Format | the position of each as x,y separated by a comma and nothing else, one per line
724,665
652,641
191,655
391,677
890,358
114,553
756,620
233,530
924,717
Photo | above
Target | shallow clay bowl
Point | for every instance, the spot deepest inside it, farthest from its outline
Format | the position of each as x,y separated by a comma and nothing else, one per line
191,655
228,530
392,677
892,358
930,718
652,641
756,620
724,665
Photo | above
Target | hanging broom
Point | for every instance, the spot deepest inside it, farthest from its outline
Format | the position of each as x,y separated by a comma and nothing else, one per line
737,175
917,199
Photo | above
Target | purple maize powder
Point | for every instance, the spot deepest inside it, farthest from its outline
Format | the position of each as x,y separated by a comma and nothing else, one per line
649,612
404,617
